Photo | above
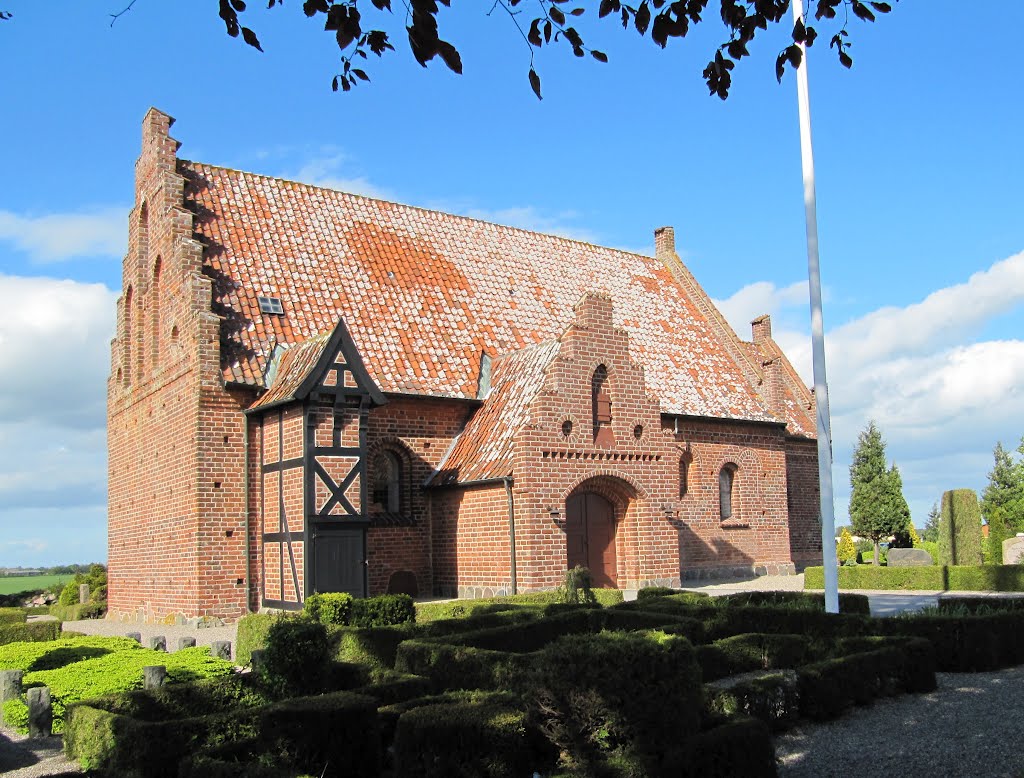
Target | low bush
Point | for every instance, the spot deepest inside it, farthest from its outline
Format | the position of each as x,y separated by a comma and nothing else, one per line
119,671
654,591
743,653
598,697
296,656
848,603
827,688
30,657
484,736
252,634
385,610
961,606
78,611
459,667
968,643
315,733
997,578
773,699
37,631
742,746
374,647
329,608
13,615
454,609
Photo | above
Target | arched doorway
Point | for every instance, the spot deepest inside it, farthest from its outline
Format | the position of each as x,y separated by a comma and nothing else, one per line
590,537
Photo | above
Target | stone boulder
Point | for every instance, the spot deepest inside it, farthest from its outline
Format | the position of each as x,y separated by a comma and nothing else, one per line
909,557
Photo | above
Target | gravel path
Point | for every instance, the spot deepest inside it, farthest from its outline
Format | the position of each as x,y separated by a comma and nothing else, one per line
971,725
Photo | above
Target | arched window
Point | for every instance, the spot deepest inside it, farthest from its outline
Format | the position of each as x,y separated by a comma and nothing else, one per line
387,482
154,297
126,345
684,474
726,491
601,407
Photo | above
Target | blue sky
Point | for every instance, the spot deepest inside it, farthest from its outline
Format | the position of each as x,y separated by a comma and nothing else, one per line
918,153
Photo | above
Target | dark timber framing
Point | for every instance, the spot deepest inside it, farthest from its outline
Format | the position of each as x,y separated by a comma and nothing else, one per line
351,393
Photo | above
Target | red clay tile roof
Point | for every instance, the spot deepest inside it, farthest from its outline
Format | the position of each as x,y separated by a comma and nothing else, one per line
796,397
294,365
484,449
424,293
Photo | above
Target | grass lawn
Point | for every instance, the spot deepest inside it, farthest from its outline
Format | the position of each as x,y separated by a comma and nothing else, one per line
27,583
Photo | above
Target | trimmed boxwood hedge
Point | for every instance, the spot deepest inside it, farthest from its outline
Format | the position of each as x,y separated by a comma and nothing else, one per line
330,729
37,631
848,603
13,615
752,651
966,578
966,643
451,609
484,737
737,747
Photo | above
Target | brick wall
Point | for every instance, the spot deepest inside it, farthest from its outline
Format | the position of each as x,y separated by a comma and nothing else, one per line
804,502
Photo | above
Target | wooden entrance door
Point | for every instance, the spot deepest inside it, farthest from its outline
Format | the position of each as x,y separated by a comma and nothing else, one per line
590,537
339,563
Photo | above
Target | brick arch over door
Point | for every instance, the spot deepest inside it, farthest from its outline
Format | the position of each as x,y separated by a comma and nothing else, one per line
593,513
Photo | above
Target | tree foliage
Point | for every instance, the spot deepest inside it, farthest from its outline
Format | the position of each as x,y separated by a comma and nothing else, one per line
960,528
1005,489
930,533
358,28
877,506
997,533
846,551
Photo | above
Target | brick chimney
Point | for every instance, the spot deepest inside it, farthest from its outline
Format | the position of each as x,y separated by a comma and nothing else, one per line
762,328
773,386
665,243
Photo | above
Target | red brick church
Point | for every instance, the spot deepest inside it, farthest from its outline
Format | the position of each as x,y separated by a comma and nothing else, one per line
315,391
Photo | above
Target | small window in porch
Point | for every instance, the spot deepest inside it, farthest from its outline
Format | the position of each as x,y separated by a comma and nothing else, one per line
726,489
387,482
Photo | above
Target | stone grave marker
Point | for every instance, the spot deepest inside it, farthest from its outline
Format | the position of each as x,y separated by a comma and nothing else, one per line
909,557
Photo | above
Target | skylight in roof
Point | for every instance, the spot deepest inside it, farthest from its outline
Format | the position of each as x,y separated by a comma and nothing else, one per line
271,305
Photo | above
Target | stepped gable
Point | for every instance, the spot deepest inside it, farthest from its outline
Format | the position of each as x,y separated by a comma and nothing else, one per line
425,293
485,448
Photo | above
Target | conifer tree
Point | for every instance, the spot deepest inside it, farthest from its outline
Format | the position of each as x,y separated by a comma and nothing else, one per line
846,550
877,506
1005,489
930,533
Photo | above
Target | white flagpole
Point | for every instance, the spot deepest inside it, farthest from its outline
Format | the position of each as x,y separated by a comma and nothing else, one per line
828,521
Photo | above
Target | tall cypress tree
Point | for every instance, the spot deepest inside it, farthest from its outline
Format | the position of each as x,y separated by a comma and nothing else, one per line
877,506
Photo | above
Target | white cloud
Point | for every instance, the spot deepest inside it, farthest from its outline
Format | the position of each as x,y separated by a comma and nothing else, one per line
60,236
34,544
528,217
325,170
758,298
941,399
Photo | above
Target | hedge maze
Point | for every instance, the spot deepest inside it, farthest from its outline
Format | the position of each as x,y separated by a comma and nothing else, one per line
673,684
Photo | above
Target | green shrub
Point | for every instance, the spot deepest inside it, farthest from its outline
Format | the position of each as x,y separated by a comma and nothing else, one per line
827,688
385,610
37,631
325,731
983,606
740,747
577,587
743,653
373,646
329,608
69,595
13,615
846,551
848,603
654,591
296,656
998,578
454,609
633,694
773,699
252,634
969,643
29,657
459,667
119,671
486,737
960,528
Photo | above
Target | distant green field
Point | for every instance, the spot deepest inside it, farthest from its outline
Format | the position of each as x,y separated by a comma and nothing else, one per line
27,583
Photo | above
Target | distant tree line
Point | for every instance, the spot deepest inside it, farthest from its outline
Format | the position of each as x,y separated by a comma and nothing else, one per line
55,570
